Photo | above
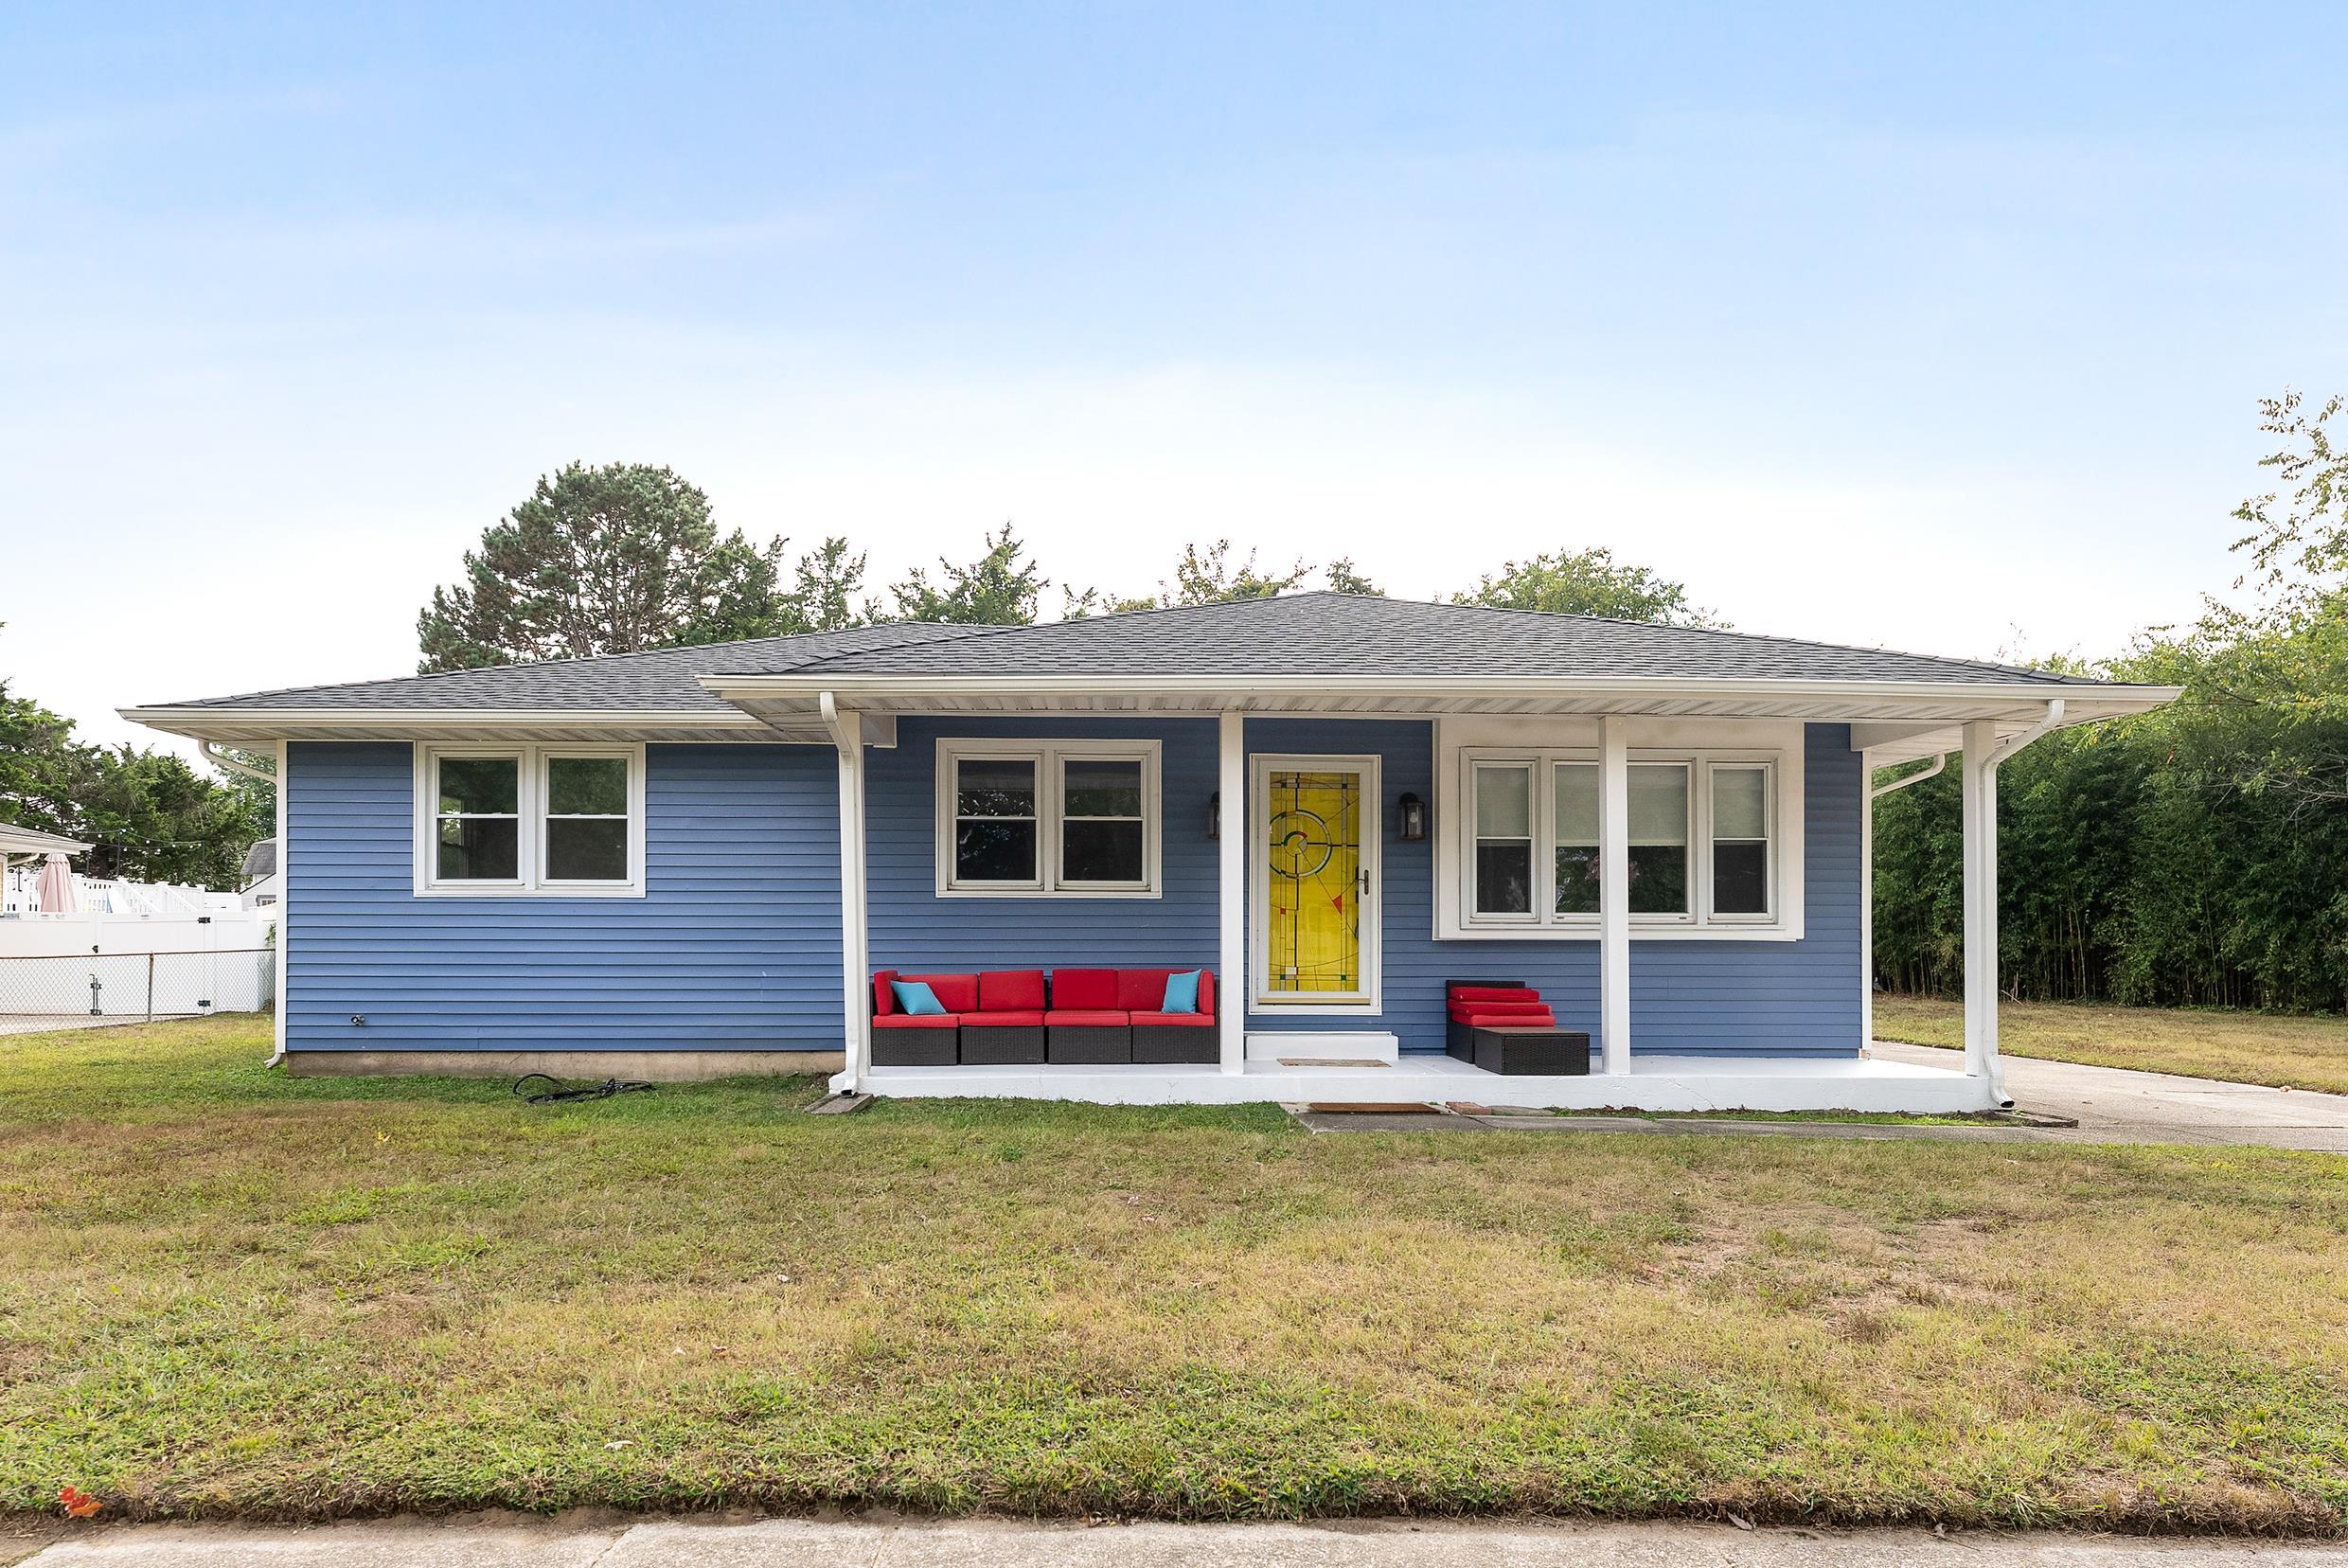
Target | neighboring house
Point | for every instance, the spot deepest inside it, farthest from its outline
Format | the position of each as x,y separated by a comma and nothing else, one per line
694,860
263,885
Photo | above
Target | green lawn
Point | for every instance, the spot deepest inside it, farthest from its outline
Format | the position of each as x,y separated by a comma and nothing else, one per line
2246,1047
225,1290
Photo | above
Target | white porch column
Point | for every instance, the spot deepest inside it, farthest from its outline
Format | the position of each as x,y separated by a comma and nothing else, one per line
1981,906
855,937
1614,894
1233,984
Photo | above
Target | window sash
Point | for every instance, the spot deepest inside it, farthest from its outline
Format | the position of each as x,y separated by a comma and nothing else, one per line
1715,839
443,817
1502,843
1070,817
547,817
1033,816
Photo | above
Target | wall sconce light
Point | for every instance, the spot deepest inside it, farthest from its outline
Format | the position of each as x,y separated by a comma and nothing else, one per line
1414,818
1215,815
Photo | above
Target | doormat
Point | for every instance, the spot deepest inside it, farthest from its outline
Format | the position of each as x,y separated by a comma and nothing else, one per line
1414,1109
1331,1061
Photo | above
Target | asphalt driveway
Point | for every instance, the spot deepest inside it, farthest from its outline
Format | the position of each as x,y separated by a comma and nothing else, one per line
2119,1105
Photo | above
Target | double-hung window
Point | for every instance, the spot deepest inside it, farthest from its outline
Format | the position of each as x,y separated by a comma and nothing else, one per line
1067,818
543,820
1702,850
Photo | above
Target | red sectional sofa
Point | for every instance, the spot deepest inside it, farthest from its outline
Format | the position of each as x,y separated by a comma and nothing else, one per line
1076,1015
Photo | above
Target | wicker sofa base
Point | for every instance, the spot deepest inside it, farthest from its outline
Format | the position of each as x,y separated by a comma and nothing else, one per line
914,1049
1525,1052
996,1045
1092,1044
1162,1044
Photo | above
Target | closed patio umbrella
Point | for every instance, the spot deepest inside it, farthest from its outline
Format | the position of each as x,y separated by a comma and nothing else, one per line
54,893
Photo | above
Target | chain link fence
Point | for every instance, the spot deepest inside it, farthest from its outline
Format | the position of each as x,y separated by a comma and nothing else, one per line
75,990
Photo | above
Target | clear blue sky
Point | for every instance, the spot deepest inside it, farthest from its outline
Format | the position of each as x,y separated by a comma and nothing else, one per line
1894,325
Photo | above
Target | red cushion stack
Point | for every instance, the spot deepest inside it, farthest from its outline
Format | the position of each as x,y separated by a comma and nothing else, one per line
1498,1007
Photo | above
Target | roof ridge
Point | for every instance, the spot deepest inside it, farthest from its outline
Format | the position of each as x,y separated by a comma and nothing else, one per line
1747,637
979,631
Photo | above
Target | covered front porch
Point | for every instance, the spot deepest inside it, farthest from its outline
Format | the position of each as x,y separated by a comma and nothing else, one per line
1750,991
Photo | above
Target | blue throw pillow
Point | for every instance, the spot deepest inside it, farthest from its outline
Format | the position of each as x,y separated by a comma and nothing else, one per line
915,997
1182,993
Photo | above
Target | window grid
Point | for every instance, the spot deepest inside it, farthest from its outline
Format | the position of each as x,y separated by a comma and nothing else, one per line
1559,851
1051,817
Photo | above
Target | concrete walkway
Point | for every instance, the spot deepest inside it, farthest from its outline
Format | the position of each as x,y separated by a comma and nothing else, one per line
615,1543
2119,1105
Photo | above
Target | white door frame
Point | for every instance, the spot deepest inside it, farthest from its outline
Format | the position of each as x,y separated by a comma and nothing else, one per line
1369,1001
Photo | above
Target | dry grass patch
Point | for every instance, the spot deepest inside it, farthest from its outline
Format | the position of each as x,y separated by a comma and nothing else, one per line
2241,1047
223,1291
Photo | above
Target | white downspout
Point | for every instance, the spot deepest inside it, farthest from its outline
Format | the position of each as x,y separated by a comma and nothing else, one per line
223,760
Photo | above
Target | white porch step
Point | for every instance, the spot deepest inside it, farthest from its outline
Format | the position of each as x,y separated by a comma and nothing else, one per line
1323,1045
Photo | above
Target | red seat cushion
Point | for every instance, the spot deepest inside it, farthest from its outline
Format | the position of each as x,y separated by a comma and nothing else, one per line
1494,993
1142,988
1031,1018
1012,990
1087,1018
884,999
1085,988
956,993
1461,1009
1200,1020
1511,1020
919,1021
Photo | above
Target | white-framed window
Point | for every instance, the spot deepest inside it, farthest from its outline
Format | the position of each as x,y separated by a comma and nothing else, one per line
544,821
1704,849
1077,819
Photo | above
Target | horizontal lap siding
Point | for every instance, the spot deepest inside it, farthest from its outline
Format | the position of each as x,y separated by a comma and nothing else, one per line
1774,998
1736,998
736,945
915,928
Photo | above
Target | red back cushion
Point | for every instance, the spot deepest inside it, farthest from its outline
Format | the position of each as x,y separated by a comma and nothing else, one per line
1141,989
956,993
1010,990
884,999
1206,990
1084,989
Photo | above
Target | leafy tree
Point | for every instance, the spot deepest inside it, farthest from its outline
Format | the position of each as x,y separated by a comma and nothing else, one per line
1000,588
1206,577
2196,854
1344,579
1588,582
752,602
610,560
147,814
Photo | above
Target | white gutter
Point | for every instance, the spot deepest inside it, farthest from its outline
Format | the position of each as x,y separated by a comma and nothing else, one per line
229,764
1917,777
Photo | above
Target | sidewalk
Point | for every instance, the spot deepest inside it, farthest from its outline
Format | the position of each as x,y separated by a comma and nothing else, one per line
612,1542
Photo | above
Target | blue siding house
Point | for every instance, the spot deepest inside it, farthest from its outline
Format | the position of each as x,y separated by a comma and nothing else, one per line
1624,863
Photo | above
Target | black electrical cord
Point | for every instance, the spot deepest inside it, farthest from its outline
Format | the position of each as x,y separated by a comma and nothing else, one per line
583,1092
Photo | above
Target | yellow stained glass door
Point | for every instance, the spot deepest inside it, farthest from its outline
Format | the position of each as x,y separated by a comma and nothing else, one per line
1317,881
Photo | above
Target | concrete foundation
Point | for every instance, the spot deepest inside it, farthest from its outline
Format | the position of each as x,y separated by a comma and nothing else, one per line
654,1067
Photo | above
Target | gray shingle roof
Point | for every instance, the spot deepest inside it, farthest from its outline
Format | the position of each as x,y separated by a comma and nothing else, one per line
1326,633
660,680
1295,634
